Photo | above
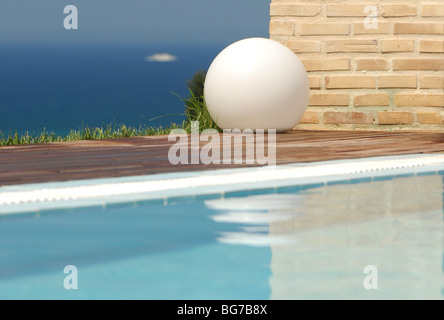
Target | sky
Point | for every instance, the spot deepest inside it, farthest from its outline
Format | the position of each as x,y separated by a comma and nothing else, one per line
139,21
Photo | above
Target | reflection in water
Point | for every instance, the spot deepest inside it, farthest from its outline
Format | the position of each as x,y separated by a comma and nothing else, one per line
256,211
322,239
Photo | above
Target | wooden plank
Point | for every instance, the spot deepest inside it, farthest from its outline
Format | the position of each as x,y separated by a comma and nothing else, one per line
149,155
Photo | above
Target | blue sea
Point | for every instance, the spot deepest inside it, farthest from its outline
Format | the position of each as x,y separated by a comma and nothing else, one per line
65,86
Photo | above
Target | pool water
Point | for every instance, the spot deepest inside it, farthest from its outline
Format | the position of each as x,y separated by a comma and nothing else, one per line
301,242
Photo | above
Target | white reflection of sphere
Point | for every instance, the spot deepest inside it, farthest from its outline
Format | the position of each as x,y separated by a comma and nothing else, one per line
257,83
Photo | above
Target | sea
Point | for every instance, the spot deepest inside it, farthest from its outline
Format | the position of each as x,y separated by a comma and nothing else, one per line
59,87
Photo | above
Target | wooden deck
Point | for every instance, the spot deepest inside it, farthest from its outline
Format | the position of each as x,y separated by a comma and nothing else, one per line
148,155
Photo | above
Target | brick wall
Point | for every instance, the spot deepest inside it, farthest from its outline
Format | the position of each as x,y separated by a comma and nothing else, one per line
363,76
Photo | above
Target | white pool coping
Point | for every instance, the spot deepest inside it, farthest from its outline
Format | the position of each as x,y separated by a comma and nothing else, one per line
101,192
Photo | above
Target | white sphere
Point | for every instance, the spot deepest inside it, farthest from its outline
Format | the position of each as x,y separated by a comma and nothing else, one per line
256,83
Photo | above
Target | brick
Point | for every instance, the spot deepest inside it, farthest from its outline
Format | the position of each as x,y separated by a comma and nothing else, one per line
418,64
282,27
312,29
383,28
328,99
432,10
372,99
348,10
432,82
431,46
397,81
371,64
304,46
315,82
419,100
397,45
395,117
350,82
301,10
398,10
418,28
352,45
325,64
279,38
429,118
351,117
310,117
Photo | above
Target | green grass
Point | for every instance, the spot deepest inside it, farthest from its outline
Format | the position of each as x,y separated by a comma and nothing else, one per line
106,132
195,110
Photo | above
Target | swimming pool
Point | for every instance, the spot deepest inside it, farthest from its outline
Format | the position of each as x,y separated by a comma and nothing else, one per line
310,240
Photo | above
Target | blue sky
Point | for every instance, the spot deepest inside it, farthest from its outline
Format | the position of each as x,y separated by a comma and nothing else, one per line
142,21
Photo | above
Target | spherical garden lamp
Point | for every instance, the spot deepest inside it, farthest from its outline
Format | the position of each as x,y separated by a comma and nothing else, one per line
256,83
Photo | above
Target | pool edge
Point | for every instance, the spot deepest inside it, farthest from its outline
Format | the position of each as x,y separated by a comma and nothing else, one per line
100,192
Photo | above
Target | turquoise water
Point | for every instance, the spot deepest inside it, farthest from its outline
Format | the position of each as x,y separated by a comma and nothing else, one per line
309,242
